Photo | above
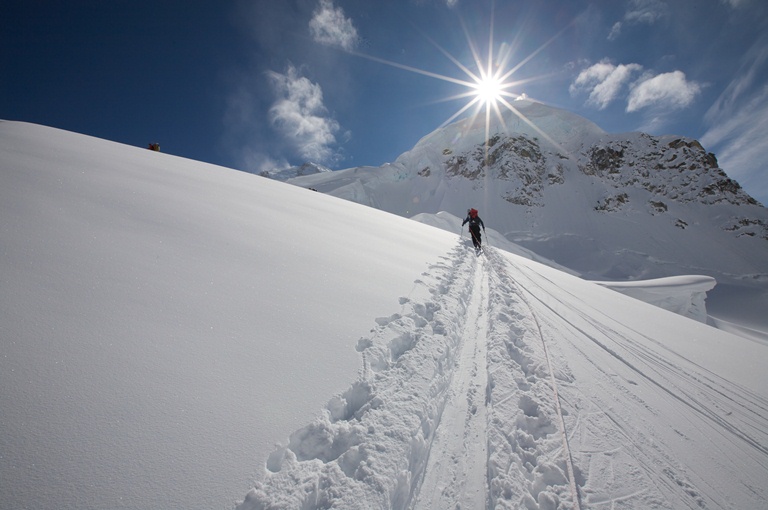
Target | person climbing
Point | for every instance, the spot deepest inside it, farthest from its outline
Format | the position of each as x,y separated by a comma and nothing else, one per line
474,228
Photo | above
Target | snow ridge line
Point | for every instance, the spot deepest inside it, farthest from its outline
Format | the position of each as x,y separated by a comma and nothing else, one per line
370,445
497,265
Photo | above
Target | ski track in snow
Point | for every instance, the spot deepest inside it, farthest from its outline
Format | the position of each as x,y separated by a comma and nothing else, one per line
617,445
468,399
456,470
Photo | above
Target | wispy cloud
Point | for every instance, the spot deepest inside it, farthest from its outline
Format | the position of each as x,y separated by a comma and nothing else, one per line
330,26
604,81
666,90
646,11
638,12
739,141
735,3
738,121
754,62
301,117
242,139
259,162
448,3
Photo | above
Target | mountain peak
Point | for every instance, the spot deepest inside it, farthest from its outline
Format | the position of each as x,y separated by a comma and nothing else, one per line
620,206
555,126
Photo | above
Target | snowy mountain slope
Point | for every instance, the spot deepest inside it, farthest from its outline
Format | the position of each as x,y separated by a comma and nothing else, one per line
608,206
468,394
685,294
164,323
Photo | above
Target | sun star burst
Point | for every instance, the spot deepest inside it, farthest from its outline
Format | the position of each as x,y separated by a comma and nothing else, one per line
488,89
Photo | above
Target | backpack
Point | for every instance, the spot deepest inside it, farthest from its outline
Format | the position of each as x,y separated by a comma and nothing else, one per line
474,219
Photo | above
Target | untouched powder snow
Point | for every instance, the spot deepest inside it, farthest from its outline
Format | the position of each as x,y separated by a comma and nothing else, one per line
163,322
179,335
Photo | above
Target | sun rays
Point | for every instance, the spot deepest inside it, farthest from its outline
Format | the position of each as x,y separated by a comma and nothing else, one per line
489,89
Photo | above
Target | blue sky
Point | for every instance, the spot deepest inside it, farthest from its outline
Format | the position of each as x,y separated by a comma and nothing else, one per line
265,84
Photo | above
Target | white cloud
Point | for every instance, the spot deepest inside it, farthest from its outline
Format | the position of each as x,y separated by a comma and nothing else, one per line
638,12
301,117
668,90
604,81
330,26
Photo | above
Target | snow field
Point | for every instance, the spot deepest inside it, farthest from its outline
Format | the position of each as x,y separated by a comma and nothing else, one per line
453,407
158,339
370,446
164,322
492,379
644,418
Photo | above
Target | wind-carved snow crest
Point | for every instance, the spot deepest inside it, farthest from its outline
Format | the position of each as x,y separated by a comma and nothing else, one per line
453,406
684,295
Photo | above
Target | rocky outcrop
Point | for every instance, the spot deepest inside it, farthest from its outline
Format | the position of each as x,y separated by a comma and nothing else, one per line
678,169
747,227
517,161
670,168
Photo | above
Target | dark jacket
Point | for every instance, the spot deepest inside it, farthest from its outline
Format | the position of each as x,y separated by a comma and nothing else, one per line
474,223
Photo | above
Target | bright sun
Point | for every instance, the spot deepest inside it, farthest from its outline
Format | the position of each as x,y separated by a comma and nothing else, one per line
489,90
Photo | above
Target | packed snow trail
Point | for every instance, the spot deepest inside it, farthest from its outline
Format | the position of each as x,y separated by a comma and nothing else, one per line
456,474
370,446
495,387
453,409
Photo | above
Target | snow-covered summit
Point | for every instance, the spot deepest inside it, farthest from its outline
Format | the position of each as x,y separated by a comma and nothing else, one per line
554,126
623,206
